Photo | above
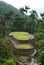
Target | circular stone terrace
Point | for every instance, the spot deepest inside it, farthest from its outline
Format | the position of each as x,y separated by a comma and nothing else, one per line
23,51
22,36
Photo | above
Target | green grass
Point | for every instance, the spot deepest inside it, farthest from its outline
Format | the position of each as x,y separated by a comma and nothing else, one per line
21,35
24,46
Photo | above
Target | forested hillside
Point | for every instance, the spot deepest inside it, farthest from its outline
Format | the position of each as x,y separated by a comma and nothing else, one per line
12,19
7,15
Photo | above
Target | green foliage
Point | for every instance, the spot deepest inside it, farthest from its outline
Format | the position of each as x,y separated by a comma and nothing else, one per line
40,39
7,18
41,57
11,19
3,51
9,62
40,35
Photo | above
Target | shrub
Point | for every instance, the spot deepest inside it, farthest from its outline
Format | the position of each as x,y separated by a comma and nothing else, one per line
41,58
9,62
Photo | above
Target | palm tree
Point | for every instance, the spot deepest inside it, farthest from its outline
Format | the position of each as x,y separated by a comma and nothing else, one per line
24,9
27,8
42,15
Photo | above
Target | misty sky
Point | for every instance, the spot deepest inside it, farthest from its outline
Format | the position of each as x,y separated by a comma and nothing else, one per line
37,5
21,3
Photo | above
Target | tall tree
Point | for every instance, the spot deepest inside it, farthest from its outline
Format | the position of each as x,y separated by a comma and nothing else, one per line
33,20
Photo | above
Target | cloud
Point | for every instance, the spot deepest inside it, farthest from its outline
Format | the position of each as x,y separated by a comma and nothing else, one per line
21,3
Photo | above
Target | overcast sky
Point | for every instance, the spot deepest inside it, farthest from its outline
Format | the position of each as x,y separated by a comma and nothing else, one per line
21,3
37,5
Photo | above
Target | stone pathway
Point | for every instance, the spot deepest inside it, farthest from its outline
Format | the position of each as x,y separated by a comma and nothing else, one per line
35,51
33,61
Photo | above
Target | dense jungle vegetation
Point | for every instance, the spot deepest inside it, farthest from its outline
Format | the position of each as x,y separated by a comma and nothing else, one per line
12,19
